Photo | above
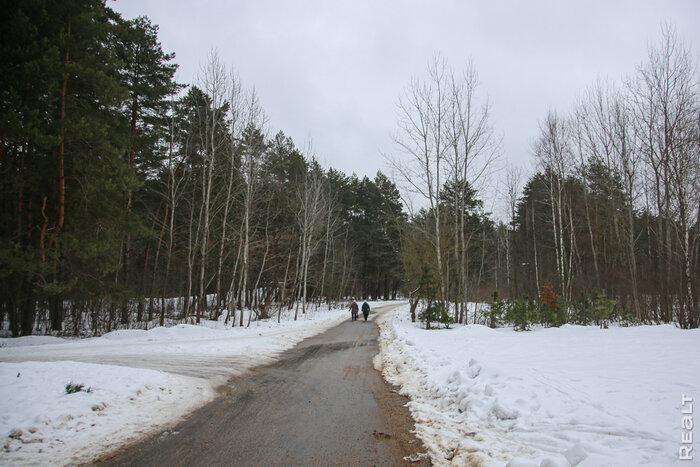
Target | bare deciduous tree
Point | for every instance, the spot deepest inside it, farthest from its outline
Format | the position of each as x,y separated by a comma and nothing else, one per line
214,82
474,150
423,119
310,214
665,101
554,156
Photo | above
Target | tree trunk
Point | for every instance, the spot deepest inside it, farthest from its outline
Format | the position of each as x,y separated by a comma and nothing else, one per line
534,243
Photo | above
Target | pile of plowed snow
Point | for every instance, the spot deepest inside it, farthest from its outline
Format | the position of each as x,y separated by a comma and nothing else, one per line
573,395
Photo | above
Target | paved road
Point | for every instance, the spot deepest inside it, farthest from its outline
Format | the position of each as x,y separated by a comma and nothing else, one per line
321,403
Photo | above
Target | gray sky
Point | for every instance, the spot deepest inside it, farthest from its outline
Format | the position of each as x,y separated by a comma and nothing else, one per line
332,71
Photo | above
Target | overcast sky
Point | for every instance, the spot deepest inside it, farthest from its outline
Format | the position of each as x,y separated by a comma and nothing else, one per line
332,71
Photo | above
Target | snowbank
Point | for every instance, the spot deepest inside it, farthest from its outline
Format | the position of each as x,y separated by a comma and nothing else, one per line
560,396
45,425
41,424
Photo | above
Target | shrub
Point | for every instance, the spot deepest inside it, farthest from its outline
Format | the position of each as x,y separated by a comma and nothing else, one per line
552,310
520,313
72,388
628,318
602,308
594,307
496,312
435,313
583,312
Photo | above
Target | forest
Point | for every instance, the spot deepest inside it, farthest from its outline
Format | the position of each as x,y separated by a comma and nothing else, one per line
132,200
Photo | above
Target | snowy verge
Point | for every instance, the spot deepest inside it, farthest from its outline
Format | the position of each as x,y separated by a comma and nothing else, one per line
550,397
41,424
48,426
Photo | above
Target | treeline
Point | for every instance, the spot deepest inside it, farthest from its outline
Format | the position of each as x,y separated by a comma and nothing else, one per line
614,207
129,198
606,227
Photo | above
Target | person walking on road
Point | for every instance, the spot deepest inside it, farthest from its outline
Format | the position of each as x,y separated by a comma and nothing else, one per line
365,310
353,310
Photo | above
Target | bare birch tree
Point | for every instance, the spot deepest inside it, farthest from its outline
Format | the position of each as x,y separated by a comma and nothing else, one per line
553,153
423,119
174,193
215,84
665,100
512,191
253,149
605,135
474,149
234,126
312,205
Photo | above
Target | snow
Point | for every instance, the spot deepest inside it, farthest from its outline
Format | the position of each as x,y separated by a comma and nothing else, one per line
139,382
47,425
549,397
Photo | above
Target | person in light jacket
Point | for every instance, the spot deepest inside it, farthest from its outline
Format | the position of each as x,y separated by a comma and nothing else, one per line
353,310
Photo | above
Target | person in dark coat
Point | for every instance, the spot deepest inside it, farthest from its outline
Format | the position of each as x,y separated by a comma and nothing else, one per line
353,310
365,310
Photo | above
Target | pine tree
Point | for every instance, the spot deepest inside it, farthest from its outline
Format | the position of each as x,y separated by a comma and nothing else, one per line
552,309
60,115
148,75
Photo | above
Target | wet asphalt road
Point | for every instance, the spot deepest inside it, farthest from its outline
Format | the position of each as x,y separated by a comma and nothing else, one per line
320,403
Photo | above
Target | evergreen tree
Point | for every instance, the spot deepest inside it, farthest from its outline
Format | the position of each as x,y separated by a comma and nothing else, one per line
147,73
54,130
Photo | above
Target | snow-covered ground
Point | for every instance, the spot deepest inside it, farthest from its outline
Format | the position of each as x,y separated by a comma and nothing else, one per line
134,382
549,397
43,425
